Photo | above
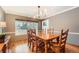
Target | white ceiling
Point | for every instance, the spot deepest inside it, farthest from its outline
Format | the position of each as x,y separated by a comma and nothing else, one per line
32,11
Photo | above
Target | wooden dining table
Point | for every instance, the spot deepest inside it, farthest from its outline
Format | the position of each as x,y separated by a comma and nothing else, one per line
46,38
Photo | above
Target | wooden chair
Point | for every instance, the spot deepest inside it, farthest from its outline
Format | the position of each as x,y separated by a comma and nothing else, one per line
40,45
6,44
36,43
31,38
60,46
33,42
29,35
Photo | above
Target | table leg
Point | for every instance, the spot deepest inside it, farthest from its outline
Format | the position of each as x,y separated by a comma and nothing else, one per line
45,46
58,40
35,46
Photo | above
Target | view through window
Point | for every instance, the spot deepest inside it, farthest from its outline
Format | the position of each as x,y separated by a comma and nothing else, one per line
21,27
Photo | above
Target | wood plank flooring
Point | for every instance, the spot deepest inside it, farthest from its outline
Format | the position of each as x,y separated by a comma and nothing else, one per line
20,46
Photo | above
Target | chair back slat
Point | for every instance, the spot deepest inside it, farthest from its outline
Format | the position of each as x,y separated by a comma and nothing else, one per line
63,37
31,34
50,31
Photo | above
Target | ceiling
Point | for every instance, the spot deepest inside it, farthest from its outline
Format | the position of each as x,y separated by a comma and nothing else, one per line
31,11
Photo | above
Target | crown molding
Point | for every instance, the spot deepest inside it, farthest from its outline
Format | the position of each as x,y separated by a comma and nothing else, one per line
62,11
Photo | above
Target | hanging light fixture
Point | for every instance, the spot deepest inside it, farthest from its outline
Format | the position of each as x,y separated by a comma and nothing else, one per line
40,13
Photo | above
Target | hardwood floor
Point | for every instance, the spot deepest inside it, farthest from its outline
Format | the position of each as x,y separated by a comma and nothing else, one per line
20,46
72,48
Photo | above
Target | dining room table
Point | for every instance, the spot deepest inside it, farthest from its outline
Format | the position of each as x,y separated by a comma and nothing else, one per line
46,37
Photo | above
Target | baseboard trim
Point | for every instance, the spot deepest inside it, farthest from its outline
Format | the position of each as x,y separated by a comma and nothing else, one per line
7,33
73,44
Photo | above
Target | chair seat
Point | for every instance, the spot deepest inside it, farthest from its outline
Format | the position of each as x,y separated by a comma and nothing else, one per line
56,47
54,44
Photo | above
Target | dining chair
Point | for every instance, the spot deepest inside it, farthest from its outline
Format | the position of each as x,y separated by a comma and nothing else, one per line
40,45
29,40
6,43
60,46
31,33
28,37
36,43
33,42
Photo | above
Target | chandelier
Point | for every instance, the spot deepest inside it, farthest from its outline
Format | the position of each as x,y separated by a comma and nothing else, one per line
41,13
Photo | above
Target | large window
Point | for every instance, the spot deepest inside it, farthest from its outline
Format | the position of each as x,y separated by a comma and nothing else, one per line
21,27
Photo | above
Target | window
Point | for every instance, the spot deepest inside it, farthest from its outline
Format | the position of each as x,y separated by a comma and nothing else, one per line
45,24
21,27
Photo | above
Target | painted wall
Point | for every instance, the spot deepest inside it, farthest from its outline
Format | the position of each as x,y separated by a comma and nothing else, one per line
67,20
10,21
2,16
